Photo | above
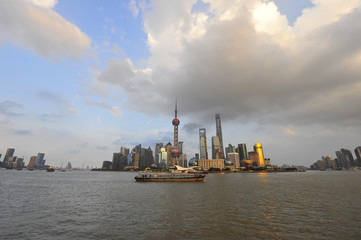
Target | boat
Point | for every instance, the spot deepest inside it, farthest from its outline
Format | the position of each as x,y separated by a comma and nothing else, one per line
50,169
178,175
169,177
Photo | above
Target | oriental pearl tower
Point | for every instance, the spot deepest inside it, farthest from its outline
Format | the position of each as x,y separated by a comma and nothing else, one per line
175,152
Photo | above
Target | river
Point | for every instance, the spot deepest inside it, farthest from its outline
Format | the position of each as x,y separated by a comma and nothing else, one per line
111,205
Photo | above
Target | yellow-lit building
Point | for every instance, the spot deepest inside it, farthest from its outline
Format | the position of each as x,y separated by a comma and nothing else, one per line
258,148
206,164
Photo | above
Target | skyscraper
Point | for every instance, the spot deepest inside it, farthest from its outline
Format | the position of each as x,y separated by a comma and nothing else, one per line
259,150
31,162
216,148
181,154
350,161
9,153
157,149
230,149
162,157
39,161
175,151
358,156
219,134
242,151
340,160
203,144
233,156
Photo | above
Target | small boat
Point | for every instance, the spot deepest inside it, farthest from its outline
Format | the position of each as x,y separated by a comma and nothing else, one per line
50,169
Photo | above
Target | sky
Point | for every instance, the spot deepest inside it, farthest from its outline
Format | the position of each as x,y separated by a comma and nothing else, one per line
79,79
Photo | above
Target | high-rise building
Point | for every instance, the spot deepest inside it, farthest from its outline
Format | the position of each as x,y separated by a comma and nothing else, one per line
124,151
216,148
170,159
175,151
254,158
350,161
31,162
233,156
242,151
358,156
219,135
258,148
230,149
203,144
330,162
19,163
69,166
182,159
341,162
9,153
157,149
136,155
39,161
162,158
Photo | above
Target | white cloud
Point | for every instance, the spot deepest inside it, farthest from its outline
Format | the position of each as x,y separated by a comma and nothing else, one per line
115,111
133,7
245,66
35,26
241,59
45,3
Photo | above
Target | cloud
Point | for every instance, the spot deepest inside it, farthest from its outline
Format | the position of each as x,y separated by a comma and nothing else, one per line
36,26
23,132
289,131
102,147
62,106
247,66
113,110
133,7
10,108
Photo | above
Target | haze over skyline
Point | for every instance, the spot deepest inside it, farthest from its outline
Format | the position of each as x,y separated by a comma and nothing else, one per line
81,78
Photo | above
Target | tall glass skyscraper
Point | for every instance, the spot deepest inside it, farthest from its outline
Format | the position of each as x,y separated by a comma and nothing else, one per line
219,134
242,151
203,144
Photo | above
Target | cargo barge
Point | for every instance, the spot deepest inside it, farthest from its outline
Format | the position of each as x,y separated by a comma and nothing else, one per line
169,177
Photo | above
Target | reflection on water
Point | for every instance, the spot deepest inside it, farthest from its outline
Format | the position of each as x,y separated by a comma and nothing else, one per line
95,205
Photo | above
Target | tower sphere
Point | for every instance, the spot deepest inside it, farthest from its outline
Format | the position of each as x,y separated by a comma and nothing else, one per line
175,153
175,122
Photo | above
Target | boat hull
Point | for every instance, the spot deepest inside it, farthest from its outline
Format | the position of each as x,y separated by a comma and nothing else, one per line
170,178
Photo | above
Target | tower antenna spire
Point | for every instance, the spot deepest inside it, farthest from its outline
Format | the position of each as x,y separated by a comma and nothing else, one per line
176,107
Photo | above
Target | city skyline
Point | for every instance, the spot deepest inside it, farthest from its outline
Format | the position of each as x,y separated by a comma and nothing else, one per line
80,79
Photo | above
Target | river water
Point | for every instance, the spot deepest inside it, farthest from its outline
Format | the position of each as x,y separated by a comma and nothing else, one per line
111,205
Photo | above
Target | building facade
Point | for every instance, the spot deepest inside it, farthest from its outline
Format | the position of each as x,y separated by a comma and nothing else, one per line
258,148
206,164
219,135
203,150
